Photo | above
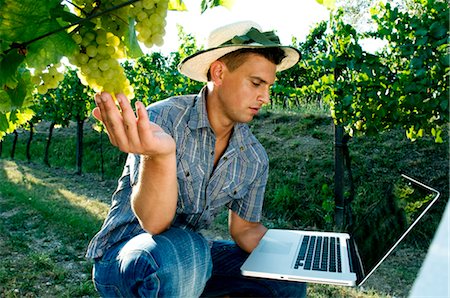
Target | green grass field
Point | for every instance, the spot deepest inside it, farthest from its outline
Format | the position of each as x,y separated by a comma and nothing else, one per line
48,215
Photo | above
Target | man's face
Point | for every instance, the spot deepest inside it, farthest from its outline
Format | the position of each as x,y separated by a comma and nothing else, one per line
244,90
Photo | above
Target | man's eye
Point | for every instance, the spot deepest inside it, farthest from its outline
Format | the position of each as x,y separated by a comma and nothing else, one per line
256,84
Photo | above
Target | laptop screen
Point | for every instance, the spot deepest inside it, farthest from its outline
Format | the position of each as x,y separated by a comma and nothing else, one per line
385,222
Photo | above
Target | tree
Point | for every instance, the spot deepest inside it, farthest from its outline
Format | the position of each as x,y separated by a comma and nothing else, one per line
418,55
75,100
46,108
404,86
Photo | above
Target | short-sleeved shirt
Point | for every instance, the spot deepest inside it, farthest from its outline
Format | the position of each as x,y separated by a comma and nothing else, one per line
238,181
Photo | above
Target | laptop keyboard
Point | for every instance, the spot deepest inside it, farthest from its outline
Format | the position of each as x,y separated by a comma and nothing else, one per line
319,253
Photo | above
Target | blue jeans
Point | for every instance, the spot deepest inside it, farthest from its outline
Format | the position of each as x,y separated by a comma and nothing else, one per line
181,263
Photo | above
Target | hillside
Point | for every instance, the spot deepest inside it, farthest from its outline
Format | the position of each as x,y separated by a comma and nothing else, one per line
49,214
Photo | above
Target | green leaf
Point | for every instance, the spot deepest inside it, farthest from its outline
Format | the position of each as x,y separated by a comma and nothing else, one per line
50,49
25,20
177,5
4,124
226,3
205,4
5,102
438,30
444,104
8,68
131,42
21,95
421,32
347,100
329,4
63,14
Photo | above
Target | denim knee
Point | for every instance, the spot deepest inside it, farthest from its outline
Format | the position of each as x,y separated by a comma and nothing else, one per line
174,263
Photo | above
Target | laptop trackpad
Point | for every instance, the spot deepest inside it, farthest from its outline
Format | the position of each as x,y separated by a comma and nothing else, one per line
276,247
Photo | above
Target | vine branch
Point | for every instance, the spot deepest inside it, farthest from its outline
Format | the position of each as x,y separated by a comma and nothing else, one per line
23,45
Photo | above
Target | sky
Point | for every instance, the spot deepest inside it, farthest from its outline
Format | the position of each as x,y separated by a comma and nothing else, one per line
287,17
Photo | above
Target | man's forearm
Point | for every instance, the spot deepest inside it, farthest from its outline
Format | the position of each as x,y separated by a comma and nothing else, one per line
154,198
249,238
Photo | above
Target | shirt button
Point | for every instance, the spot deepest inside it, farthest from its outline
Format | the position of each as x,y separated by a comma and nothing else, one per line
212,152
225,158
187,174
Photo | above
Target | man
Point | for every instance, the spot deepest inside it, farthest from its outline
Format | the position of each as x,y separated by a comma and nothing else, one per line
189,156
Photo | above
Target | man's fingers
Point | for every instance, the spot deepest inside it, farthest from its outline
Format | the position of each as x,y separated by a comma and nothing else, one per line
97,114
112,119
129,122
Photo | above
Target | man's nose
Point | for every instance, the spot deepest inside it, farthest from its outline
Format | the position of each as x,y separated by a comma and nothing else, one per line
264,97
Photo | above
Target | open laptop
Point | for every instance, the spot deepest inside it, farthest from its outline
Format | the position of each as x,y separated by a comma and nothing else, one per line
342,258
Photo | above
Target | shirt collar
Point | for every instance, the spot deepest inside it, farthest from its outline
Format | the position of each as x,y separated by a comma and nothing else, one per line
199,119
198,116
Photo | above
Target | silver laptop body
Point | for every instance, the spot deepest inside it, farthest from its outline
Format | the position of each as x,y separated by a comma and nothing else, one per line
311,256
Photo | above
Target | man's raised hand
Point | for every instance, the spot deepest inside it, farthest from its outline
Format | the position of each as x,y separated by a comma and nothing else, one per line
130,132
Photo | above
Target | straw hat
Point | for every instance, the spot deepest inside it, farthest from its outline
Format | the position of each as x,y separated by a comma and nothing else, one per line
230,38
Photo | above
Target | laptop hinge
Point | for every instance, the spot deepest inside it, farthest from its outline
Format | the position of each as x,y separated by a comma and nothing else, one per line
355,262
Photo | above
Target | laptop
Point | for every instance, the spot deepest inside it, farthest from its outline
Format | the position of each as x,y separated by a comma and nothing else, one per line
346,259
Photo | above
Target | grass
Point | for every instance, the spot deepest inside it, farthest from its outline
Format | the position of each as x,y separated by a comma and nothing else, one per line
50,214
46,224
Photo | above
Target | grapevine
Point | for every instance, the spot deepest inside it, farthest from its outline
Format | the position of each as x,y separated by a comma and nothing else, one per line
95,36
101,42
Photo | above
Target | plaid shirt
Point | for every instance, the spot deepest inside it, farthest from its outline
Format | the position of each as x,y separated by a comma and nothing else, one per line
238,181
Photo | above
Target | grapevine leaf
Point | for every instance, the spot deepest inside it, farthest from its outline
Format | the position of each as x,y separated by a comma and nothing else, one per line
4,46
3,124
60,12
8,67
21,94
5,102
437,30
329,4
50,50
11,120
177,5
131,42
205,4
226,3
24,20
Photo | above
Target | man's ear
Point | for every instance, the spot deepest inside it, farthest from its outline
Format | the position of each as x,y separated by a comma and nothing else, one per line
216,71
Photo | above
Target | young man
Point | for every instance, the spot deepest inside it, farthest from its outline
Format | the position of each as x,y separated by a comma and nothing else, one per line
190,156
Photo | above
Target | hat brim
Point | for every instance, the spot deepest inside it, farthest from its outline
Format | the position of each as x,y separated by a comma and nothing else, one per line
197,65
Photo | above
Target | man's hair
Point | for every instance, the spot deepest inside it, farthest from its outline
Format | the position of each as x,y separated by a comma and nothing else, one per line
235,59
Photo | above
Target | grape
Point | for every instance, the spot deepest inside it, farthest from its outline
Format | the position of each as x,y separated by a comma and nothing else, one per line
47,78
91,50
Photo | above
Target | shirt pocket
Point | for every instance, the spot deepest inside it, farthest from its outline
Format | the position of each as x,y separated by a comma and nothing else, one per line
188,176
236,189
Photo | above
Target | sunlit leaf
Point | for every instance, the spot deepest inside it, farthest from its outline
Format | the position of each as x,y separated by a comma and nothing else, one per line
329,4
177,5
20,96
25,20
131,42
208,4
50,50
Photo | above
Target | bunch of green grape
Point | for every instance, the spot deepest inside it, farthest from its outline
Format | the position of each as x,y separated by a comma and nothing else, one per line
150,18
47,78
97,61
102,44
